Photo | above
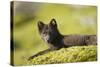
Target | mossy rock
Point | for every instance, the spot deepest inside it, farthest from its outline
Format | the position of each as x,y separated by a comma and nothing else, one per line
68,55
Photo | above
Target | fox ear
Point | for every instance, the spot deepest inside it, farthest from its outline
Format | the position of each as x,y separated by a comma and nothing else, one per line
53,22
40,25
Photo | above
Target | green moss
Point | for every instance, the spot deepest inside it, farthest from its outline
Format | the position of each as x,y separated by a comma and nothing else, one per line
66,55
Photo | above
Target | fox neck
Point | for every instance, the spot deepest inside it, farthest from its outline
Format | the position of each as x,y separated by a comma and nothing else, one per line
56,40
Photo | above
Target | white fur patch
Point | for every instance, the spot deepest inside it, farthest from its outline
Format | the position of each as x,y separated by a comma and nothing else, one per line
45,37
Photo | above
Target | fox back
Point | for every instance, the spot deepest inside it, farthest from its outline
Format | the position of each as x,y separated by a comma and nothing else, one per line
51,35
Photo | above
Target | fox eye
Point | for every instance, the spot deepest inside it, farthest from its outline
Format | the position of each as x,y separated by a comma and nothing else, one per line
44,32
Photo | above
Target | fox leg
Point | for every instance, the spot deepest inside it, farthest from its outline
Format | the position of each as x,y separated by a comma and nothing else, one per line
40,53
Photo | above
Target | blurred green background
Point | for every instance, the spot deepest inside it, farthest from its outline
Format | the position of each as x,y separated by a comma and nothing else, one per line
71,19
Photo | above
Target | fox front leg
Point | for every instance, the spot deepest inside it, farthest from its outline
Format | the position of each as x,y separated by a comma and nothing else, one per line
40,53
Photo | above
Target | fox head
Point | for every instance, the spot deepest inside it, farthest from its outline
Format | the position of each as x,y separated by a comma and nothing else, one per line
49,31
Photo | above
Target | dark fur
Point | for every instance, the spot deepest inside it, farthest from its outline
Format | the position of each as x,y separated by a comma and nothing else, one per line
55,40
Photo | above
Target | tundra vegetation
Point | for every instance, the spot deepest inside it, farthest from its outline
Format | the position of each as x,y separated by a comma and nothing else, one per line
68,55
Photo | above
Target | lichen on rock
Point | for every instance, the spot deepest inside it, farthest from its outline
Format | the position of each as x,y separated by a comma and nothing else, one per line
68,55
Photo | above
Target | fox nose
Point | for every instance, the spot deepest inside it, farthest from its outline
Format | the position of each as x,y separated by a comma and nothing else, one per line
48,41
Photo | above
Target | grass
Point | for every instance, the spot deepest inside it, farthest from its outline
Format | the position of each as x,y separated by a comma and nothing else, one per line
68,55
